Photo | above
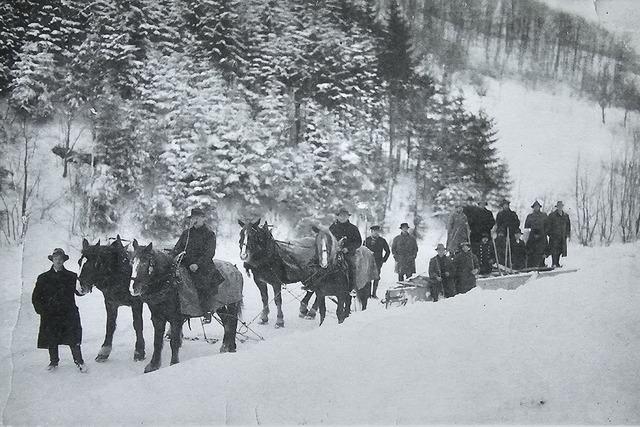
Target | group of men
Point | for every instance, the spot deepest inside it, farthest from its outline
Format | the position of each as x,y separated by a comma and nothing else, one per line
474,223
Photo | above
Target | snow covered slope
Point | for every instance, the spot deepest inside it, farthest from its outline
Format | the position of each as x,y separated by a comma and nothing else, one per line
559,350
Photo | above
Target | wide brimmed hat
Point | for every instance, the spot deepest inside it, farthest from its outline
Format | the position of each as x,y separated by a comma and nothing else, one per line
196,212
404,224
559,203
58,251
343,211
440,246
374,228
536,203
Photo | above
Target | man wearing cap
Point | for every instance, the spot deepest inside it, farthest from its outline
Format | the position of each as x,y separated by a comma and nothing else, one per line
404,249
54,300
486,254
197,245
440,274
537,244
558,228
465,268
343,228
380,248
457,229
507,220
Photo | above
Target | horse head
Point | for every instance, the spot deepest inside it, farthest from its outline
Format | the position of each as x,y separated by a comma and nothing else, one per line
328,248
106,265
256,242
144,263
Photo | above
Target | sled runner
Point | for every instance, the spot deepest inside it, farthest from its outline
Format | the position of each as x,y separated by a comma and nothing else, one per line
417,288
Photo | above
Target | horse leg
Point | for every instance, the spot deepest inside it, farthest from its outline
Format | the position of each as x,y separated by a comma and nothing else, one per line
229,316
303,304
158,336
136,310
322,306
264,294
176,339
112,314
277,289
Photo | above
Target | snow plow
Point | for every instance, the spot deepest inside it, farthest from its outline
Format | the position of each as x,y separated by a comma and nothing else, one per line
417,288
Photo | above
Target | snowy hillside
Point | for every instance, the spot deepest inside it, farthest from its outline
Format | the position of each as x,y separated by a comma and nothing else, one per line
559,350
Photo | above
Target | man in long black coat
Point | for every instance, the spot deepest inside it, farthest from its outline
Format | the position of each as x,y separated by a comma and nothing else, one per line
486,221
54,300
472,212
380,248
343,228
198,246
465,268
518,252
404,249
537,244
507,220
558,228
441,274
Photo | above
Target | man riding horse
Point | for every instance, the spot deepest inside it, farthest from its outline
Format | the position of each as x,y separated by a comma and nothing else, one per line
195,251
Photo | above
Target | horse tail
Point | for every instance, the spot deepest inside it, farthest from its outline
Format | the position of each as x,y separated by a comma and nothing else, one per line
240,306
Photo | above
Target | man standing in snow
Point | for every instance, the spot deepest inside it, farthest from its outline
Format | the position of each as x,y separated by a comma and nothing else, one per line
380,248
457,230
440,274
507,220
54,300
473,212
486,220
537,243
558,228
197,245
486,255
465,267
404,249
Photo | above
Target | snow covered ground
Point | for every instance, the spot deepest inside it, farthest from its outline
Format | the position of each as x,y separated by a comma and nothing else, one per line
559,350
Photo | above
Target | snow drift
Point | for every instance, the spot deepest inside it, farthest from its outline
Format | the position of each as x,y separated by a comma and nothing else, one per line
558,350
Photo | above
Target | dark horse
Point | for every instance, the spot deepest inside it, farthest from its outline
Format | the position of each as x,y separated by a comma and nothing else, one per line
279,263
272,263
108,268
156,281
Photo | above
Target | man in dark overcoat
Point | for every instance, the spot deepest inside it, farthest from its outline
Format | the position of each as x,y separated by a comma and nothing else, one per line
537,244
441,274
558,228
486,221
507,220
195,250
53,299
472,211
380,248
342,228
405,250
465,268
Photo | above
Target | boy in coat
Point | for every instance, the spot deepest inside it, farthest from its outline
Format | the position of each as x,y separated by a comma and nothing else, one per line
54,300
441,275
486,255
518,252
380,248
465,268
